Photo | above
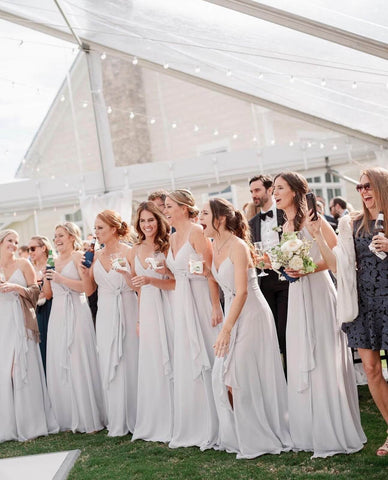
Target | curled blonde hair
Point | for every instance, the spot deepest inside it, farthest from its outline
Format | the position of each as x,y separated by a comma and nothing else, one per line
185,198
74,231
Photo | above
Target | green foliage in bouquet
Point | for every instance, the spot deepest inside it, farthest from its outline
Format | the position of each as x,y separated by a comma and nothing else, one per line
292,252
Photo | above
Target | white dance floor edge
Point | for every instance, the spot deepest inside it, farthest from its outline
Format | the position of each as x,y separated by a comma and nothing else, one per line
48,466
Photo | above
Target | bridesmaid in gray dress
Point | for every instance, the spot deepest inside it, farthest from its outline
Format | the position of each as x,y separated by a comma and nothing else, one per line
248,380
322,392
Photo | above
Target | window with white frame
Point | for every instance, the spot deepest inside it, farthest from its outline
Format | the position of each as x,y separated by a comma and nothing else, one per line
229,193
325,185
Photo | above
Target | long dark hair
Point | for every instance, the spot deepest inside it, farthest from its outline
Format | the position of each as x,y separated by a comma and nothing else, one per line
299,186
235,221
162,237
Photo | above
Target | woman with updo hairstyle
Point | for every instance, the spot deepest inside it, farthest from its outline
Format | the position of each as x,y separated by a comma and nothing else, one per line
73,376
25,409
153,281
117,342
197,314
322,394
248,380
38,248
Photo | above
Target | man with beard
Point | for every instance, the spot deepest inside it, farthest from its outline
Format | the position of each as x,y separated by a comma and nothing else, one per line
265,228
338,207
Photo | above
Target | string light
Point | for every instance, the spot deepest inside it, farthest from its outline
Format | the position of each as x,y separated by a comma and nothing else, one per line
166,66
215,132
109,110
323,82
260,76
291,144
229,73
254,139
272,142
85,104
335,147
135,61
131,116
292,78
235,136
62,99
354,85
103,56
197,69
152,121
196,128
321,145
173,125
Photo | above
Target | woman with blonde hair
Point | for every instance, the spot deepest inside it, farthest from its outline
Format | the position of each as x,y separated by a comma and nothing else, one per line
155,390
362,279
197,314
38,248
117,342
25,410
73,376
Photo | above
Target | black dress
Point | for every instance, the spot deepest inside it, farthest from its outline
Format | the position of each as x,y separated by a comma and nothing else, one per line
370,329
43,315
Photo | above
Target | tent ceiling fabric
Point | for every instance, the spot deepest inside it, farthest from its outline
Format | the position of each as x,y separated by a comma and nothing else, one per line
247,54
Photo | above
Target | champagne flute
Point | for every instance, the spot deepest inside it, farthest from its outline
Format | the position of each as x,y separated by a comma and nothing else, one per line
159,259
259,248
2,275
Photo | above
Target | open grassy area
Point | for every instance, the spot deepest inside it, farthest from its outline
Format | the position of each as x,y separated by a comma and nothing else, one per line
117,458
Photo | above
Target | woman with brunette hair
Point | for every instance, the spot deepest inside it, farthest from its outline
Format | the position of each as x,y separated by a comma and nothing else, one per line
73,377
39,248
155,392
248,381
363,282
197,313
25,410
117,342
322,393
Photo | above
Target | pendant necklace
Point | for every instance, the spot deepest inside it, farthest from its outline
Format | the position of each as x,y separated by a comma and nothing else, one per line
223,244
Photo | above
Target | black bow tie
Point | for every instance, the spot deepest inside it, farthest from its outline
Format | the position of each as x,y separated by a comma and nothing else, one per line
266,214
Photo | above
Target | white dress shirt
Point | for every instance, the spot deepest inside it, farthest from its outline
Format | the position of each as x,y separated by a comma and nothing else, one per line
269,236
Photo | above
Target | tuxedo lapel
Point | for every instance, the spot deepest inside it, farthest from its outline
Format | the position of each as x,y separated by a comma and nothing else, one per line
255,224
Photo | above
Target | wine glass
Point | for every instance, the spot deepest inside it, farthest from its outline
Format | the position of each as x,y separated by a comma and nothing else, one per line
259,249
159,259
118,262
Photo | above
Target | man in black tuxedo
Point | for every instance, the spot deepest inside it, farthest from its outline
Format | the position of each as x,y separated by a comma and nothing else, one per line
263,229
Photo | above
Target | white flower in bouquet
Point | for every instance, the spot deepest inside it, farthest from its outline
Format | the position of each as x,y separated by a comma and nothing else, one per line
296,263
291,246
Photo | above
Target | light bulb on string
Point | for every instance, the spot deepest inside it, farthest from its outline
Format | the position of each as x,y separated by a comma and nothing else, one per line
152,121
291,144
166,66
173,125
109,110
272,142
103,56
260,76
229,73
197,69
84,104
131,116
62,99
135,61
292,78
354,85
321,145
323,82
309,144
254,140
235,136
335,147
215,132
196,128
52,177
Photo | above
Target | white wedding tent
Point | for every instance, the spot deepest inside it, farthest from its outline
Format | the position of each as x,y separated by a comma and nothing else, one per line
319,63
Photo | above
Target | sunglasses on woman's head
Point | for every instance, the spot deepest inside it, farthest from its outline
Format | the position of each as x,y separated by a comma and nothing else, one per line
363,186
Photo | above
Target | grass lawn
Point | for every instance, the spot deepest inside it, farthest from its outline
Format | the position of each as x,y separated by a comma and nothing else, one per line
117,458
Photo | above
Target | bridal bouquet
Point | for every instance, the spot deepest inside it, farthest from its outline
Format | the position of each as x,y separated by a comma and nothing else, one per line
294,253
